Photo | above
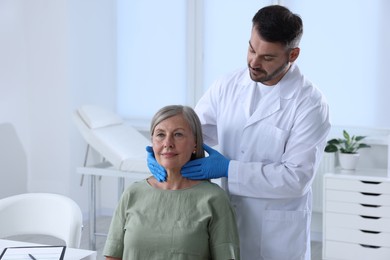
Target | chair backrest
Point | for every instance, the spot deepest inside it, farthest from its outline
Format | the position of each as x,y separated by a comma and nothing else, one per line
41,214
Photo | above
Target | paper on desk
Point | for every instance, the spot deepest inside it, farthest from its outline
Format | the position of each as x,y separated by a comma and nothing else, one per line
39,252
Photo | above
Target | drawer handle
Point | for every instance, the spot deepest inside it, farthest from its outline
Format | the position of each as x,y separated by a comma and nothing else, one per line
370,231
371,182
370,205
370,217
370,194
369,246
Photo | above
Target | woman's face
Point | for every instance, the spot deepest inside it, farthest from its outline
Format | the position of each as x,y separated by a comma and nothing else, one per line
173,143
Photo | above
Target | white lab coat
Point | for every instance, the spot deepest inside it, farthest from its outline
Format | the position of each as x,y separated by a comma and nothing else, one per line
274,155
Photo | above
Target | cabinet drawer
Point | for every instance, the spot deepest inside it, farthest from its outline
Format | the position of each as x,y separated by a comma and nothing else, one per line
356,222
357,209
340,250
370,198
365,238
382,187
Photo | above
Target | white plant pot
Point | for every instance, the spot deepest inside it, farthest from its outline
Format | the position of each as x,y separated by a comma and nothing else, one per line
348,161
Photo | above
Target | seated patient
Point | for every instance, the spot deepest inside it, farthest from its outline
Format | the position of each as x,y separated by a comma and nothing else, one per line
180,218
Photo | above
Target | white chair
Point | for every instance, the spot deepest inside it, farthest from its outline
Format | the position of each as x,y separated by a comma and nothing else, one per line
41,214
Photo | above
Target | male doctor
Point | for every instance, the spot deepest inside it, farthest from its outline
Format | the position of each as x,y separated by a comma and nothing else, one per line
271,125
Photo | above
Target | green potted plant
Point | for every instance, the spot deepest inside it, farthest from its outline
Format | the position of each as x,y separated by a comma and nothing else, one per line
348,148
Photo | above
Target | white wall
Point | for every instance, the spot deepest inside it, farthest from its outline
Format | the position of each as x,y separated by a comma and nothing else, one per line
55,56
344,50
13,119
151,56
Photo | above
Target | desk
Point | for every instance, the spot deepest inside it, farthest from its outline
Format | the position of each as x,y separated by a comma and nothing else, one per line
70,253
104,169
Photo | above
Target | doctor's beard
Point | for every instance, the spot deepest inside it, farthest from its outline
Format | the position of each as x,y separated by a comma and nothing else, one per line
279,72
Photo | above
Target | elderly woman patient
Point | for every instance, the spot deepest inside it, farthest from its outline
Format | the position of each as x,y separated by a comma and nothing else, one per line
180,218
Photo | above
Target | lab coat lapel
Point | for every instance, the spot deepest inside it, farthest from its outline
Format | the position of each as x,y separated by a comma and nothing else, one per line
246,94
271,103
268,106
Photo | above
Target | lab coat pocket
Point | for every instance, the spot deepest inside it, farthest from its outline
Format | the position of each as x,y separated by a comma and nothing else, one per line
272,142
284,234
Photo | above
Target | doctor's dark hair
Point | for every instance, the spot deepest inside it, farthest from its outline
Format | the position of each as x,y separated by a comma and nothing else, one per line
192,119
276,23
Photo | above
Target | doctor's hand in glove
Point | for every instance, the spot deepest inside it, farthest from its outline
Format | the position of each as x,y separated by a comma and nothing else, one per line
214,166
156,169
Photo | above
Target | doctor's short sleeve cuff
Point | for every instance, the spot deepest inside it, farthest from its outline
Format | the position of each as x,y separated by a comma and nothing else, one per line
233,185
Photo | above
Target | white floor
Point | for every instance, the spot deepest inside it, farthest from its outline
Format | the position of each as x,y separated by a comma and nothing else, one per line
102,225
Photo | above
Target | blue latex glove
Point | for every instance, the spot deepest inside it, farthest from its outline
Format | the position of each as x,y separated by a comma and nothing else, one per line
156,169
214,166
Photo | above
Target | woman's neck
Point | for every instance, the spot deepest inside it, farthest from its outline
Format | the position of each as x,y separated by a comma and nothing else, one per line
175,181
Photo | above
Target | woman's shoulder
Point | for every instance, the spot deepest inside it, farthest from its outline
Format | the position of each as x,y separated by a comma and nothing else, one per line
136,187
213,189
215,196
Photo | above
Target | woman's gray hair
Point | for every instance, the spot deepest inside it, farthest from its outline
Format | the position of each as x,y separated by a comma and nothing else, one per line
192,119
